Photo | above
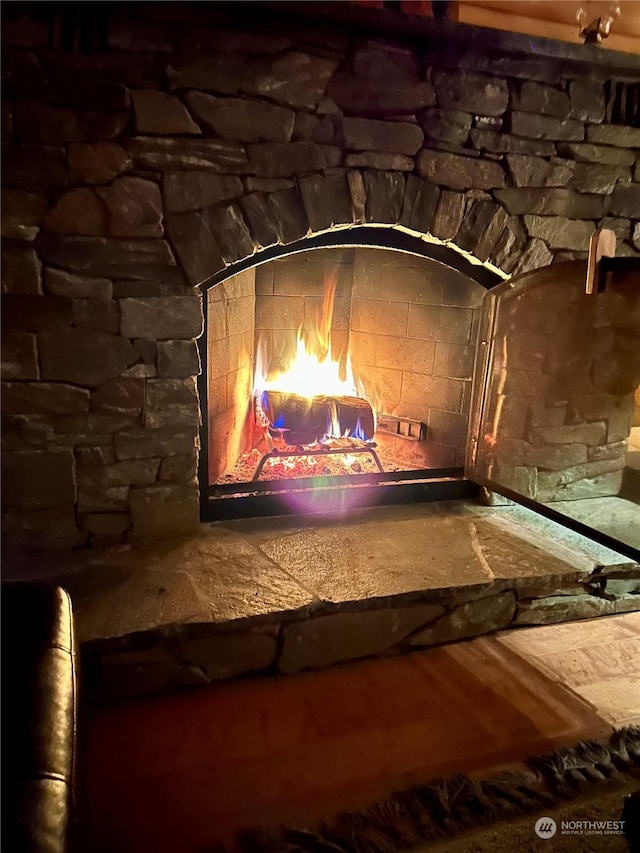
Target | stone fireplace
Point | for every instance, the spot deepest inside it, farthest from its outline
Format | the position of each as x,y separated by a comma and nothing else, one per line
145,161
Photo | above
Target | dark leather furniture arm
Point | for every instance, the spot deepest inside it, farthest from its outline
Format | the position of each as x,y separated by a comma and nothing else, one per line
39,715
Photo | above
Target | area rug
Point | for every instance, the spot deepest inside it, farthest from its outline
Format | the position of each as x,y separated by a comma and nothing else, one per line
414,819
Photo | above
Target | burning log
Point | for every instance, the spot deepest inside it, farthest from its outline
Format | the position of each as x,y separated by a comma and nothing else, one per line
310,420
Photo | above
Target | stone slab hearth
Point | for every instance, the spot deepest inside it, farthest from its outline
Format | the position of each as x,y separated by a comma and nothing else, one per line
280,596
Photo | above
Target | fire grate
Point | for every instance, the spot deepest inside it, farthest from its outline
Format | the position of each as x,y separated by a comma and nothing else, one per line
321,451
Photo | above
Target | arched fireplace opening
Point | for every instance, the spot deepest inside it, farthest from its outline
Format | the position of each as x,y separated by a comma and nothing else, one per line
401,316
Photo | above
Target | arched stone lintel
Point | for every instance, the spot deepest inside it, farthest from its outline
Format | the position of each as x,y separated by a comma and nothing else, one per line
213,243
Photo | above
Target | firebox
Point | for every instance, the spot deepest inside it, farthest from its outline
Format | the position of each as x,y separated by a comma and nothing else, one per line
343,367
345,374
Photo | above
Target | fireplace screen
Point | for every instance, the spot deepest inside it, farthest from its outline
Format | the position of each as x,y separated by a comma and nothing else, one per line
353,366
556,408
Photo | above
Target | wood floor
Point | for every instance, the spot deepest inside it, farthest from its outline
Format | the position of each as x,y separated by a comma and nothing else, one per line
182,772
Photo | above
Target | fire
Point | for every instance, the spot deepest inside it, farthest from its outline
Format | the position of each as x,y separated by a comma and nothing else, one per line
314,371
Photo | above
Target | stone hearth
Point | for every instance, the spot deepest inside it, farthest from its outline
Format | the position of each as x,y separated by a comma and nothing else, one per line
142,159
279,596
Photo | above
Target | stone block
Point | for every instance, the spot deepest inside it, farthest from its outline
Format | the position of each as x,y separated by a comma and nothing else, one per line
97,162
121,395
551,202
325,640
83,356
95,457
592,178
457,172
327,201
625,201
212,155
287,215
393,137
589,433
43,398
195,190
135,472
160,112
562,608
34,166
241,120
141,443
35,479
537,98
470,619
385,191
549,457
229,655
103,498
471,92
255,208
535,256
295,79
419,204
163,511
617,135
134,206
177,359
34,313
148,350
589,153
587,100
358,195
162,393
449,215
61,283
79,211
19,359
314,128
504,143
140,259
168,318
546,127
355,94
53,529
231,232
192,235
21,271
559,232
380,160
283,159
178,469
481,228
528,171
451,126
100,314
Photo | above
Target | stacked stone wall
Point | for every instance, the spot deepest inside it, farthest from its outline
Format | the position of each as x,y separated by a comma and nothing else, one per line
139,163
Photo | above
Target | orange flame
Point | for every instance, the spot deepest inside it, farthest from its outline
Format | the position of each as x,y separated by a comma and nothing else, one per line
313,371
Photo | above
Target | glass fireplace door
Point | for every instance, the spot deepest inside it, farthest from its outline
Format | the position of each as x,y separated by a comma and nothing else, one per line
556,406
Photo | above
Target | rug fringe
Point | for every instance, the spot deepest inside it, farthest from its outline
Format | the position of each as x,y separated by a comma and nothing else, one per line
442,807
